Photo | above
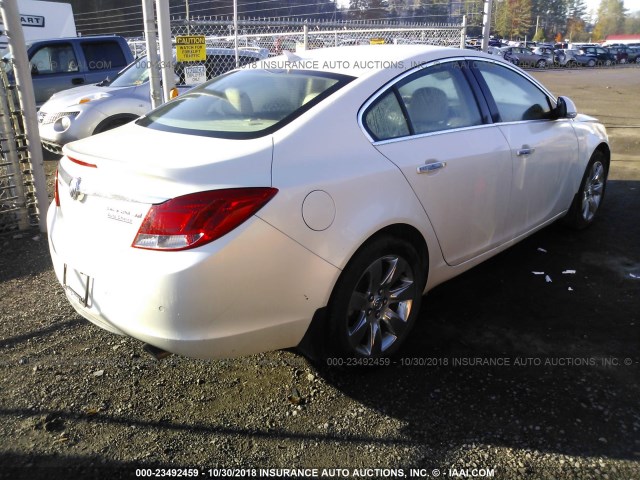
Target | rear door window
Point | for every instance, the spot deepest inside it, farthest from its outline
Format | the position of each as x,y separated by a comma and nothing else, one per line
106,55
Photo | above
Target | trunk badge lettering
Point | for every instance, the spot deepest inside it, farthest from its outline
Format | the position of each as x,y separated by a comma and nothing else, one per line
74,188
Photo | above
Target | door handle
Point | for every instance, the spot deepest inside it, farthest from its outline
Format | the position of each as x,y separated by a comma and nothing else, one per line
77,81
431,166
525,150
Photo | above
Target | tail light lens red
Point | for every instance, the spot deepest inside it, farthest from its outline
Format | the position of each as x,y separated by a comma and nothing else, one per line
56,191
193,220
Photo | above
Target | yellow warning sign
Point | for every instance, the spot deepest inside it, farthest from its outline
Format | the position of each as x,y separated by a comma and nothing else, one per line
376,41
190,48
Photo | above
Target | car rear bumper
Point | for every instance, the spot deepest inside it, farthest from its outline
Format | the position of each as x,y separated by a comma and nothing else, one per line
253,290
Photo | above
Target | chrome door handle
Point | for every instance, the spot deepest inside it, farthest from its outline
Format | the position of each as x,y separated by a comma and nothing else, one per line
431,167
525,150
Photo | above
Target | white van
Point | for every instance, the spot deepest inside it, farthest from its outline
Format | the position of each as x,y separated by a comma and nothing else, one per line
41,19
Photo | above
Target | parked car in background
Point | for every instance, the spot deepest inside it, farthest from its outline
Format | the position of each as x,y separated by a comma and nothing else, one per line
598,56
524,57
566,57
634,54
620,52
274,207
546,52
63,63
83,111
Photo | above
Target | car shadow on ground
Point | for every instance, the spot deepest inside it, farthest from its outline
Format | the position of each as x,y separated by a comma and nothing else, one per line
536,348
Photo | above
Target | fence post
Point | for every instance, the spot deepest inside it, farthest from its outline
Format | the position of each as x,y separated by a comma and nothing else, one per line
151,39
486,25
305,35
24,85
166,57
463,32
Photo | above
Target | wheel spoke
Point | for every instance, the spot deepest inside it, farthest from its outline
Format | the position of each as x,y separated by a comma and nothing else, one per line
390,275
375,340
358,332
358,302
375,275
396,322
585,208
403,291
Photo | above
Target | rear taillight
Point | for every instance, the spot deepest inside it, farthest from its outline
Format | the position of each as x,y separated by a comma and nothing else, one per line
198,218
56,191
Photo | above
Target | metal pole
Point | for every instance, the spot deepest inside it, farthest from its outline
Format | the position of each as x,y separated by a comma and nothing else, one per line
18,49
486,24
235,29
305,33
153,59
166,57
463,32
186,7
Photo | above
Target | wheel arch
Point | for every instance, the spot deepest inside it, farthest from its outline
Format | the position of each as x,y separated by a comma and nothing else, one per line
314,345
118,118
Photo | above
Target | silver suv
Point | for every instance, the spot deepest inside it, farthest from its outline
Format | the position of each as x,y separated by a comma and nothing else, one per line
84,111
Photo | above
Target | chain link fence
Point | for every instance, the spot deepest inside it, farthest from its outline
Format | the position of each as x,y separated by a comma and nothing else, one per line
263,38
18,203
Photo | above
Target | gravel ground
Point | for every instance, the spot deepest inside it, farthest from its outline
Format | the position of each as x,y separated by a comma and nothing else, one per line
507,376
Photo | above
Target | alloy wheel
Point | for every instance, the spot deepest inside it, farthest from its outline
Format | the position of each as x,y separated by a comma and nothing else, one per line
380,305
593,191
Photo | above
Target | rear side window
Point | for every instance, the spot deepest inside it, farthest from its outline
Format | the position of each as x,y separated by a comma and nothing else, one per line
105,55
433,99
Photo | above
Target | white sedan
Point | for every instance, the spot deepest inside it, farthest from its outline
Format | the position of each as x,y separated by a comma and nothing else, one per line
315,199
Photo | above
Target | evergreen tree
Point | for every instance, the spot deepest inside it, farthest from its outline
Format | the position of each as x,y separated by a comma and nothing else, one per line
610,19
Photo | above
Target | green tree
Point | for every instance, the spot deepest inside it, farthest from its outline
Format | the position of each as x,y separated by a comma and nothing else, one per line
632,24
367,9
610,19
539,36
435,11
549,15
576,20
513,18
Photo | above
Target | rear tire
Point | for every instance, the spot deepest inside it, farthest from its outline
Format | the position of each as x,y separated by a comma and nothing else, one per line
587,201
376,300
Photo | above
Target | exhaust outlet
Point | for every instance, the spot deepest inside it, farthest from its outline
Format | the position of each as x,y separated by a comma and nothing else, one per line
155,352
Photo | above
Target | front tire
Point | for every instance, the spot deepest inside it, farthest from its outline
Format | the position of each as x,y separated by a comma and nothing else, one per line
588,200
541,64
376,300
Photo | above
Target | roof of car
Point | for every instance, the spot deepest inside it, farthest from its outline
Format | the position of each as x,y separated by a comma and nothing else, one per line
362,60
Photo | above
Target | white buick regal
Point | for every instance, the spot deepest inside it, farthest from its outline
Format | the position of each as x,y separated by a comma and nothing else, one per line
315,199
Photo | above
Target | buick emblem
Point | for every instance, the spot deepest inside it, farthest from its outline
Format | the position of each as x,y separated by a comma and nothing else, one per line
74,188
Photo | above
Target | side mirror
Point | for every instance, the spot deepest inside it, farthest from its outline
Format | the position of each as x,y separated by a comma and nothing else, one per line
565,108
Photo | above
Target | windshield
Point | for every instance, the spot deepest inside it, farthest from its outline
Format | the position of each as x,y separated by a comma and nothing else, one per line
135,74
245,103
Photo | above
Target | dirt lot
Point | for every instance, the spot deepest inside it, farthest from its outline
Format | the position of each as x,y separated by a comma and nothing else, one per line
506,373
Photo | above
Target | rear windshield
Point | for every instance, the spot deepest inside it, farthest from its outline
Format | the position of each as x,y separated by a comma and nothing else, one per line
245,103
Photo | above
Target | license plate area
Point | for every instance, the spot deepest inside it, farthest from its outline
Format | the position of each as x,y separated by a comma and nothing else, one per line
77,284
